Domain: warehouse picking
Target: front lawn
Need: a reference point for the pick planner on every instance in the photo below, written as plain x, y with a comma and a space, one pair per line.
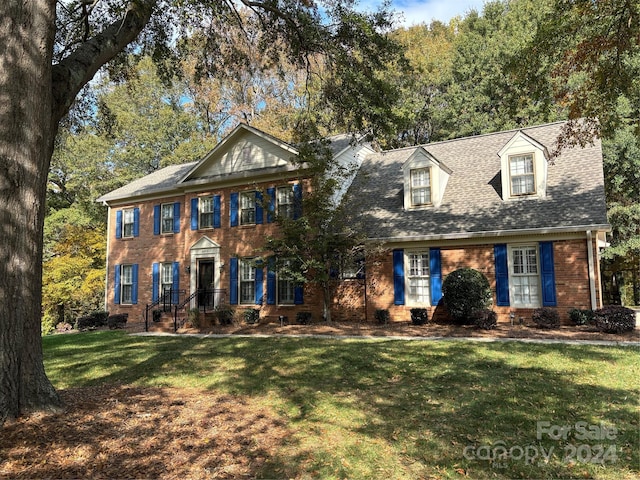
358, 408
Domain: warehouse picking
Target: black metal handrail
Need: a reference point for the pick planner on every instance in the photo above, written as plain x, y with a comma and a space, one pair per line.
194, 295
168, 298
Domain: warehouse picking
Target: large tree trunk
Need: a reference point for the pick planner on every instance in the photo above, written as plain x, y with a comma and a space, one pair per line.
34, 96
26, 145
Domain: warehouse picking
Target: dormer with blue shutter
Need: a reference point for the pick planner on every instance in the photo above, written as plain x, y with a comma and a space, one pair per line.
425, 180
523, 167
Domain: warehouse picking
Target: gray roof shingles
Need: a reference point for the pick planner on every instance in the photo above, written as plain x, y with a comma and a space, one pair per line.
472, 201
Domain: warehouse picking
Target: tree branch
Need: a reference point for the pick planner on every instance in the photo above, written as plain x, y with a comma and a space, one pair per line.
77, 69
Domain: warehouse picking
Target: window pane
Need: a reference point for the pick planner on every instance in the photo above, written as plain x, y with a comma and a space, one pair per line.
524, 279
247, 208
167, 218
127, 223
285, 202
206, 212
418, 278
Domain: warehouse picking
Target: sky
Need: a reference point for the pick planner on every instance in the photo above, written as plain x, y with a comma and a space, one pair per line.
424, 11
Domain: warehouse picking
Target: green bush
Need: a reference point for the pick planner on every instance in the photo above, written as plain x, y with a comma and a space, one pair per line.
93, 320
615, 319
546, 317
251, 315
117, 321
464, 292
224, 314
581, 317
485, 319
419, 316
303, 318
382, 316
193, 315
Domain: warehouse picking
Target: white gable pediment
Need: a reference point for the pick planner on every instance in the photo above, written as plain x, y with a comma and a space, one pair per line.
243, 150
204, 243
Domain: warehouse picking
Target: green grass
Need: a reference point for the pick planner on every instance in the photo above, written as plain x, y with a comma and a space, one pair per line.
394, 409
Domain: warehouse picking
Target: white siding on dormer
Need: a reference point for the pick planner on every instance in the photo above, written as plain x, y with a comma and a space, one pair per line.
521, 144
351, 160
439, 178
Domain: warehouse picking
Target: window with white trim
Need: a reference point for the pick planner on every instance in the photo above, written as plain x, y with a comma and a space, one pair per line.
420, 186
166, 225
248, 208
285, 201
418, 277
286, 285
205, 209
166, 278
524, 276
127, 223
522, 175
126, 284
247, 282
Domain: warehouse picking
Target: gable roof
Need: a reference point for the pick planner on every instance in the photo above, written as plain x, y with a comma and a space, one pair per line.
472, 203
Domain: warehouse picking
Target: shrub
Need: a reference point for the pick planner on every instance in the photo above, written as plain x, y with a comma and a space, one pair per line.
117, 321
615, 319
546, 317
93, 320
382, 316
224, 314
466, 291
156, 315
251, 315
581, 317
193, 315
303, 318
485, 319
419, 316
63, 327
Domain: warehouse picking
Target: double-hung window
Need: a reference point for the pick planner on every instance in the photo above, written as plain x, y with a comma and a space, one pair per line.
522, 174
420, 186
128, 220
167, 218
247, 208
418, 277
166, 279
206, 212
286, 285
247, 282
126, 284
285, 201
524, 275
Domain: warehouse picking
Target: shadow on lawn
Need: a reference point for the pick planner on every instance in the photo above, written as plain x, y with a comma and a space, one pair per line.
425, 401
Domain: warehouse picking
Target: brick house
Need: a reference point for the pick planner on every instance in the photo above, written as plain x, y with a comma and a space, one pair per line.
497, 203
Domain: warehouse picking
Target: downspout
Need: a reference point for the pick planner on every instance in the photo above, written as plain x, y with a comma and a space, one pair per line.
592, 275
106, 273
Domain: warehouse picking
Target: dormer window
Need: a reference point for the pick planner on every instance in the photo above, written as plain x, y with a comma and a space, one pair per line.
420, 187
522, 174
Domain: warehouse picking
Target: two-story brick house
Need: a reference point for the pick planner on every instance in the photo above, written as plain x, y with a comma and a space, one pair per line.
498, 203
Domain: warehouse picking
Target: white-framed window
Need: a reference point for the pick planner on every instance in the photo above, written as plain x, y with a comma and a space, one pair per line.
247, 282
166, 224
524, 275
285, 285
247, 208
417, 269
205, 210
522, 174
126, 284
127, 223
420, 186
285, 201
166, 278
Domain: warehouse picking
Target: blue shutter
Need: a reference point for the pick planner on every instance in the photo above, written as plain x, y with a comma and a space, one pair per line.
298, 295
194, 214
134, 284
259, 285
233, 211
259, 208
548, 275
271, 282
136, 222
116, 286
176, 283
398, 277
435, 274
156, 219
176, 217
119, 225
502, 274
233, 281
297, 201
155, 282
216, 212
271, 209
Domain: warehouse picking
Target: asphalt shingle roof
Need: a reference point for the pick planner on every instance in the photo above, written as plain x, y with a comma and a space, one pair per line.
472, 201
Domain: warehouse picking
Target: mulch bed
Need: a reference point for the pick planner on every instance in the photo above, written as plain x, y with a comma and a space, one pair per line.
120, 431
